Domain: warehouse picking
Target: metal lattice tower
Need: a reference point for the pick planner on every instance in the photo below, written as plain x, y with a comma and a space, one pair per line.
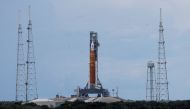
162, 81
31, 83
151, 82
20, 74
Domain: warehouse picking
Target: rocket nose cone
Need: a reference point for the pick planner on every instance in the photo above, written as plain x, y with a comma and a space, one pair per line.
92, 46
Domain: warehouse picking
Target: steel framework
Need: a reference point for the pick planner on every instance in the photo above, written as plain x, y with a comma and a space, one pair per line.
31, 83
162, 81
151, 82
20, 73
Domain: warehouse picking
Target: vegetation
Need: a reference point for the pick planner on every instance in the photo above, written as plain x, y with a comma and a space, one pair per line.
128, 105
118, 105
19, 105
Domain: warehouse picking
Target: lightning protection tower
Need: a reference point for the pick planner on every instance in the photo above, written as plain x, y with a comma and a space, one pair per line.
20, 73
31, 83
151, 82
162, 81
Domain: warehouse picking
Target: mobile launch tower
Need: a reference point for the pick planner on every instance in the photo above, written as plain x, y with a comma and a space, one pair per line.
94, 85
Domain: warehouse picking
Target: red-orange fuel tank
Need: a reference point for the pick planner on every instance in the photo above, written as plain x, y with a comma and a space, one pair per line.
92, 67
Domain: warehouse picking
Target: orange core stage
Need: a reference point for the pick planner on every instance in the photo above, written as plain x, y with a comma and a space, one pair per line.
92, 67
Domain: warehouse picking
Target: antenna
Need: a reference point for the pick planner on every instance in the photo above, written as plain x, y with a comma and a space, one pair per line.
19, 17
20, 72
31, 83
113, 92
29, 13
117, 91
160, 15
162, 81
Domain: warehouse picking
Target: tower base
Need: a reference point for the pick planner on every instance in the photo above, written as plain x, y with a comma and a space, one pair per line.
92, 89
99, 92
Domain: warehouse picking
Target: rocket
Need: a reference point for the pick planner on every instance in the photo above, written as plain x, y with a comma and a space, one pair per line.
92, 65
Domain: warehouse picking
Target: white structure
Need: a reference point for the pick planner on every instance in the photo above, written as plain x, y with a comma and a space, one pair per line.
52, 103
58, 100
47, 102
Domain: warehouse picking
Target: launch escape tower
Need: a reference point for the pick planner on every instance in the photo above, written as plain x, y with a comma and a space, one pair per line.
162, 92
94, 85
151, 82
20, 73
31, 83
26, 84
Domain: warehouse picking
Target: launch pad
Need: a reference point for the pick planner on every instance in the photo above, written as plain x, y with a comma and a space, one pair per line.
100, 92
94, 85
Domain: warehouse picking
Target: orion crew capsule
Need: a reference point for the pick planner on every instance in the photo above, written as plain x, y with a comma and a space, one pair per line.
92, 46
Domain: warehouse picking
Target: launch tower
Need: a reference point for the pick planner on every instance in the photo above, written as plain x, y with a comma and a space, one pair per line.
94, 85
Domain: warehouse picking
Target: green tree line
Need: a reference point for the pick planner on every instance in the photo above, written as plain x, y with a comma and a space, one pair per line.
185, 104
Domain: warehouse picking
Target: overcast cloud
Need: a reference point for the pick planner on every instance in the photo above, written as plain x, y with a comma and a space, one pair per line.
128, 36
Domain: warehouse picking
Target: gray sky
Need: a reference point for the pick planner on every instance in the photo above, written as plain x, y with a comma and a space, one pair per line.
128, 34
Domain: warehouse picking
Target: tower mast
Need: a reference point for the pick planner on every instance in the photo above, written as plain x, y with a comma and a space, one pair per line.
20, 74
31, 83
162, 81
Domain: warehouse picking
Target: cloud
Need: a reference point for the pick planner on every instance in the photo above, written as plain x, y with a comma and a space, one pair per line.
132, 26
128, 34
